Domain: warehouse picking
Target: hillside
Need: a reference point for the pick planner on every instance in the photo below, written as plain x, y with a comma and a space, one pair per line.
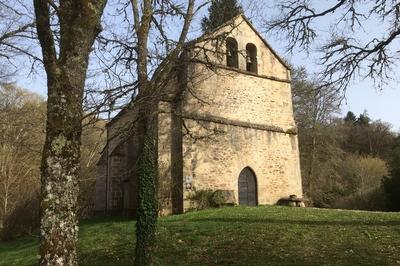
239, 235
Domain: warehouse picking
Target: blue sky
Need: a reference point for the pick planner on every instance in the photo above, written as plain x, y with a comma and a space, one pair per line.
361, 95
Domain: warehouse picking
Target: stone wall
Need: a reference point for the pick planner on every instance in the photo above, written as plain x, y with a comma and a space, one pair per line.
211, 124
213, 49
239, 119
116, 172
214, 161
164, 158
101, 185
170, 193
239, 97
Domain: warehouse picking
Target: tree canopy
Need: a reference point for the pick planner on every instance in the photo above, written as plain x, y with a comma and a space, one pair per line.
219, 12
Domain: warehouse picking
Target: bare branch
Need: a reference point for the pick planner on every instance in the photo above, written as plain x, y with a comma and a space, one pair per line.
345, 56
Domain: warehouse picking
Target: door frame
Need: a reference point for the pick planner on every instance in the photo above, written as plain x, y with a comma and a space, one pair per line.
255, 183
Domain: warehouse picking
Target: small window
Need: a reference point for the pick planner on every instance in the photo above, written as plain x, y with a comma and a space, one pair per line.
232, 53
251, 58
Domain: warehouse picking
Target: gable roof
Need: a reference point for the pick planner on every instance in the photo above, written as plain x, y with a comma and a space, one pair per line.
245, 19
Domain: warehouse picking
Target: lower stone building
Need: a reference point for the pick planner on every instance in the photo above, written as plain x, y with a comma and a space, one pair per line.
228, 128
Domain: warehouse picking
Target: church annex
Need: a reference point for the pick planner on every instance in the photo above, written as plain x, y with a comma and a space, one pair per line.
226, 127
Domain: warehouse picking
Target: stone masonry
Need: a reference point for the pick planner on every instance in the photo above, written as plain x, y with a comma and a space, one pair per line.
212, 123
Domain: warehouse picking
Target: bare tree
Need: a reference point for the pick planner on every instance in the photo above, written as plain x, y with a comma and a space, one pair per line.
21, 127
22, 124
66, 30
143, 20
151, 54
314, 111
16, 35
351, 51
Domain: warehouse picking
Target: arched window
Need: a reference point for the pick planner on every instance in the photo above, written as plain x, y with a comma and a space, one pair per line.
232, 53
251, 58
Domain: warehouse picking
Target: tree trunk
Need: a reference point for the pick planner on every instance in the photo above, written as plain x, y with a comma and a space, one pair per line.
147, 204
5, 212
147, 208
60, 169
310, 172
79, 24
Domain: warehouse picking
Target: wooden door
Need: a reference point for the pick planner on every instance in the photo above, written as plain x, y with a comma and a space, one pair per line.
247, 187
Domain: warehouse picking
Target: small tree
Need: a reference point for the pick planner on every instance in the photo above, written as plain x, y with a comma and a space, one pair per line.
147, 17
22, 116
219, 12
319, 144
391, 184
363, 174
350, 117
151, 56
368, 137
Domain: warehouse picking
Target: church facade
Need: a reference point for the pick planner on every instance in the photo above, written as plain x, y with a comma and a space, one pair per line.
225, 123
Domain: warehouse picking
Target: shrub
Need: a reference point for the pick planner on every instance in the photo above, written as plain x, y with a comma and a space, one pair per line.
374, 200
23, 220
207, 198
391, 186
363, 173
200, 199
218, 198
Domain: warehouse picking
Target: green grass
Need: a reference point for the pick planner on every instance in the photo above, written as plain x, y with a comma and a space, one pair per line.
239, 235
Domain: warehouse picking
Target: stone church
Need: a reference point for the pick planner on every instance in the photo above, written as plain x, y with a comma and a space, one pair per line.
225, 122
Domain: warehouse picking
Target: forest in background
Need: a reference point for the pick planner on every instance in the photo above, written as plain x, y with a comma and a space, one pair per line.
22, 127
349, 162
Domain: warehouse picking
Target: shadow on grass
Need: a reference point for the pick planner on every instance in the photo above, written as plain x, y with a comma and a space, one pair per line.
14, 245
102, 258
299, 222
101, 220
17, 245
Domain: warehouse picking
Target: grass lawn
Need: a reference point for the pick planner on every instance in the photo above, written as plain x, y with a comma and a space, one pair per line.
239, 235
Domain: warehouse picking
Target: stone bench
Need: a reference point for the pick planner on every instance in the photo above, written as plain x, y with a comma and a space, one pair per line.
292, 201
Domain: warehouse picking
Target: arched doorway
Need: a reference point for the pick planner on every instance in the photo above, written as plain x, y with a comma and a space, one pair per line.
247, 185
